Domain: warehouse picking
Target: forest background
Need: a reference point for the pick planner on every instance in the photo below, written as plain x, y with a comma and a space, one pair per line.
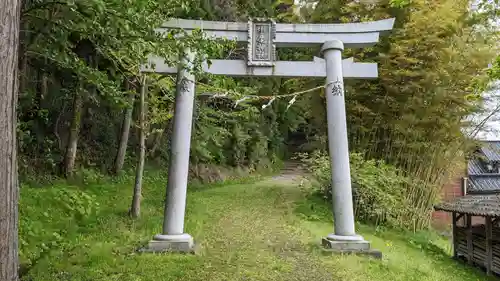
82, 97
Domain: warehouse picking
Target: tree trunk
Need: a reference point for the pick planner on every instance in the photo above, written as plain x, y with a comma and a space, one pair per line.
42, 91
158, 138
23, 57
127, 120
44, 87
9, 32
74, 130
23, 65
136, 200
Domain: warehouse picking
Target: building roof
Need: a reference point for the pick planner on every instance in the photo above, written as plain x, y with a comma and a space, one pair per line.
481, 179
476, 205
476, 167
491, 150
483, 183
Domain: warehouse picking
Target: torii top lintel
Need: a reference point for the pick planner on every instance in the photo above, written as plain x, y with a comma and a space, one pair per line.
353, 35
264, 35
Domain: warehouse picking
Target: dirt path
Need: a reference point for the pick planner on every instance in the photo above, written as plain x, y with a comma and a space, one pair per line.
292, 172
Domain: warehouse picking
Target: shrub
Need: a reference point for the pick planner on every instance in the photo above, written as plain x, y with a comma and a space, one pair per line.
378, 188
64, 210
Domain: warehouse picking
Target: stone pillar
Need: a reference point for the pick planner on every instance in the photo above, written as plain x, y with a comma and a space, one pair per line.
344, 236
173, 237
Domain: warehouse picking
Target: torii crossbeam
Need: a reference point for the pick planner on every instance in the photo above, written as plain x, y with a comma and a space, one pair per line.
353, 35
262, 36
239, 68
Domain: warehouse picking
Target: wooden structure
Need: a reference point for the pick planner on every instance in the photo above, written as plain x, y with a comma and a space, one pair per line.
478, 244
481, 177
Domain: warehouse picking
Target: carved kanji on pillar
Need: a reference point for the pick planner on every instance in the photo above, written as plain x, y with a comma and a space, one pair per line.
337, 88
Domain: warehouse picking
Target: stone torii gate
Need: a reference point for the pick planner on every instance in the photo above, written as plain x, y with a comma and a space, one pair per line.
263, 36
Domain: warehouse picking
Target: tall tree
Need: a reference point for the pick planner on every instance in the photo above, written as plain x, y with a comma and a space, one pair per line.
127, 120
136, 199
74, 131
10, 12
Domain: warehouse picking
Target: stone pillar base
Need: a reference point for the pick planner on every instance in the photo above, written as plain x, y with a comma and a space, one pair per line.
349, 245
182, 243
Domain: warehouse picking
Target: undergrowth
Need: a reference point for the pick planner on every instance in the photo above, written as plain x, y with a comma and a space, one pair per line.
244, 230
382, 194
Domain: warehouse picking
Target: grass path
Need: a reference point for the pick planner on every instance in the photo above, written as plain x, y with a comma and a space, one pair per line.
254, 231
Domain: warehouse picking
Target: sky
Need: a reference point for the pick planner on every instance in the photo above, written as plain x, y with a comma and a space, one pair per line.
491, 129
